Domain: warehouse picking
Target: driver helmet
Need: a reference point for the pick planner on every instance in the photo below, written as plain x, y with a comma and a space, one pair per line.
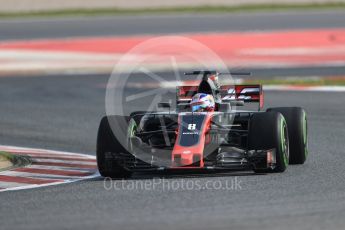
202, 102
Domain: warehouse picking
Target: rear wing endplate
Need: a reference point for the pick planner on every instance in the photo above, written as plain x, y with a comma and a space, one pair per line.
245, 93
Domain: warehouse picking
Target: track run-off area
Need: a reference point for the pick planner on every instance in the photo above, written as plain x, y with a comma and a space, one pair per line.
44, 168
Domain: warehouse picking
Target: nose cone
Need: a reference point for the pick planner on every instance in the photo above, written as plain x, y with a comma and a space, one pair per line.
190, 142
187, 158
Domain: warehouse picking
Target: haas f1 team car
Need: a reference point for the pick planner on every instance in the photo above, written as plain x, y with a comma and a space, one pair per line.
224, 138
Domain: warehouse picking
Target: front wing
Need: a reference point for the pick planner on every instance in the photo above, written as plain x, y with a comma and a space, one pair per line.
253, 159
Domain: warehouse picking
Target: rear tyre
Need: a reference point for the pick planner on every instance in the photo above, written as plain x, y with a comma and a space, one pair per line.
296, 119
269, 131
108, 145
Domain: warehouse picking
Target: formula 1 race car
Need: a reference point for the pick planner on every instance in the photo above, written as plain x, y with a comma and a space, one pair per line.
224, 138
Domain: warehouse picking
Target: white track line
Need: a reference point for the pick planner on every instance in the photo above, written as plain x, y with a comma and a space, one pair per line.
39, 176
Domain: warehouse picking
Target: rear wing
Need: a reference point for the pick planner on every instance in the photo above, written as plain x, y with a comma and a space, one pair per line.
245, 93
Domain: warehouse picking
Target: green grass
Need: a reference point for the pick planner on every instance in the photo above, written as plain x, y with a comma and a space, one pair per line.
326, 81
5, 157
200, 9
16, 160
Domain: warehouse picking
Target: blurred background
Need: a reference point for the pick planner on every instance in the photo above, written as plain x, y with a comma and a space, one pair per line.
54, 5
58, 36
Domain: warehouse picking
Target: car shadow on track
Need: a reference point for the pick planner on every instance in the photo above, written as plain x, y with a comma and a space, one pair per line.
148, 176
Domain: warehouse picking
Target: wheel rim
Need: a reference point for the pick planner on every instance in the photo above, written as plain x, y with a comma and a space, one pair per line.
131, 133
305, 134
285, 142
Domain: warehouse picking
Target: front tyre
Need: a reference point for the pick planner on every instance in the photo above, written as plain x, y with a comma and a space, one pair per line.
108, 146
269, 131
296, 119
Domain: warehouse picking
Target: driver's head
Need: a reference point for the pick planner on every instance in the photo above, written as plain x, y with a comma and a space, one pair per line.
202, 102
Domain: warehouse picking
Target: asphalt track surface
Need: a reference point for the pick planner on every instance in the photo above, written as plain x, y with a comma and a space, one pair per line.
63, 112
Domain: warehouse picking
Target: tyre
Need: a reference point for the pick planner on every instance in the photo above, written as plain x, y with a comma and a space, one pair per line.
296, 119
108, 145
269, 131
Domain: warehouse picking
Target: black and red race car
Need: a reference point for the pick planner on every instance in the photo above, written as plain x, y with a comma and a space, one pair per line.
185, 141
